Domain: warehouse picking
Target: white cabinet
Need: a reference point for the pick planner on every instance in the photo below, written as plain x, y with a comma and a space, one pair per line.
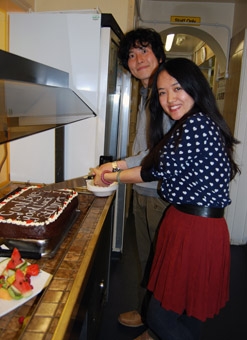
76, 43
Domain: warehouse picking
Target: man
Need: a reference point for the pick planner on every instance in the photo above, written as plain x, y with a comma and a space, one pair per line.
140, 52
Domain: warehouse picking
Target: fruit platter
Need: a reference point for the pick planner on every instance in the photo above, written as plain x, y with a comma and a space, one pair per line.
19, 281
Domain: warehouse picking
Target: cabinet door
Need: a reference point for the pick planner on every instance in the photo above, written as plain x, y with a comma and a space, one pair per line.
85, 323
99, 280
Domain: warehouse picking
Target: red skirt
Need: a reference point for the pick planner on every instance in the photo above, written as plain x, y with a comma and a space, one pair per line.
191, 267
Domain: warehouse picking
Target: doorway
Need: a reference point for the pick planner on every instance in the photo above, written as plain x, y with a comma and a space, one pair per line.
205, 51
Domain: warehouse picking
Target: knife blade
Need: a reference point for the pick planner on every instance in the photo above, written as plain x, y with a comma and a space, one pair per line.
69, 183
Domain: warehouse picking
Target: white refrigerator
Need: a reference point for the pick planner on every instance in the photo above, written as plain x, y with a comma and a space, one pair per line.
84, 44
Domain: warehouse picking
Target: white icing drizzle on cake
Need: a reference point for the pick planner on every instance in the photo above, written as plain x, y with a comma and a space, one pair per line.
33, 208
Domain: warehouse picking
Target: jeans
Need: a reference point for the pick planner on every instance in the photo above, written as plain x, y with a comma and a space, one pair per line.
168, 325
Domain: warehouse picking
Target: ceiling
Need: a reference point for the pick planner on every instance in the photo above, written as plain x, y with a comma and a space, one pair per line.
183, 44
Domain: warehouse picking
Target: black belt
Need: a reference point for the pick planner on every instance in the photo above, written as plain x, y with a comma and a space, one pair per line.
200, 211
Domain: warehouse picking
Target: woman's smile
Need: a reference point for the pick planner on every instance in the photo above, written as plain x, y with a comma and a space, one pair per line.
172, 97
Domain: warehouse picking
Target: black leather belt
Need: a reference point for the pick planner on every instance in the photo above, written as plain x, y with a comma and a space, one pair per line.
200, 211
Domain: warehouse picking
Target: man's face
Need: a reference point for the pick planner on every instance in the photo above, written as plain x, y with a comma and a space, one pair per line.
142, 63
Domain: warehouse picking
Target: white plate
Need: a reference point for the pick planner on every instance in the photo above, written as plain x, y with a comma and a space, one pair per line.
38, 282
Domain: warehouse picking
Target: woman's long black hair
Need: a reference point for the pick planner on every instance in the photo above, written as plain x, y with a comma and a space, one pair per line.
193, 81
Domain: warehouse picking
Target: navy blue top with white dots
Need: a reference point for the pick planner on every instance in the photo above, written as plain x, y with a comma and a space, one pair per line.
197, 170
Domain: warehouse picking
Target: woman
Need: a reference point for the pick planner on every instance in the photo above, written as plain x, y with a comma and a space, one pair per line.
189, 279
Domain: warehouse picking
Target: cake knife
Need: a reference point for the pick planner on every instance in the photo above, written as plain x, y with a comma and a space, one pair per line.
69, 183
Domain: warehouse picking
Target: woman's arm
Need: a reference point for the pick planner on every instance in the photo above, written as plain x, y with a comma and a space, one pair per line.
103, 178
121, 164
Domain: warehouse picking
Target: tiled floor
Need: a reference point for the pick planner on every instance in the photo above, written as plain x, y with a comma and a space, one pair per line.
230, 324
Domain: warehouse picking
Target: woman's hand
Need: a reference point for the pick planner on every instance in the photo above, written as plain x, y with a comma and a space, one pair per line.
106, 166
97, 172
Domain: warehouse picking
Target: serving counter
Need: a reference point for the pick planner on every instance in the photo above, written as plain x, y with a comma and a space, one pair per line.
70, 306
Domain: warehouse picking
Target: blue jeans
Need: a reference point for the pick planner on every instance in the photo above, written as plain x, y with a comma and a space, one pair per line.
168, 325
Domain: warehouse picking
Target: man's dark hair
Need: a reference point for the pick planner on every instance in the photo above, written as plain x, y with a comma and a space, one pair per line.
141, 37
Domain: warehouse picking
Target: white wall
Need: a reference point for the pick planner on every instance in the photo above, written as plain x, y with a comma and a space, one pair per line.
214, 16
236, 213
240, 14
34, 166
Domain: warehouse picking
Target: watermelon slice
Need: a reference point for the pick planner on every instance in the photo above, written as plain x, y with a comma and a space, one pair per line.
13, 263
20, 287
15, 277
15, 259
32, 270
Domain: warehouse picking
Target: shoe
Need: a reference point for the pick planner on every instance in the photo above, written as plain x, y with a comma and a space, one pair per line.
144, 336
130, 319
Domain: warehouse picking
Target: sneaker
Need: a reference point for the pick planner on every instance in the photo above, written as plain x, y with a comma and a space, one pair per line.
144, 336
130, 319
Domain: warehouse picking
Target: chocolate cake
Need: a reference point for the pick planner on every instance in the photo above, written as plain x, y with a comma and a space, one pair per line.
35, 213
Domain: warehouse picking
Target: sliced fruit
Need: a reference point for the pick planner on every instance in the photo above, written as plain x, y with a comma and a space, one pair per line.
15, 259
3, 265
3, 283
15, 277
14, 293
4, 294
8, 266
21, 284
10, 279
21, 319
32, 269
22, 266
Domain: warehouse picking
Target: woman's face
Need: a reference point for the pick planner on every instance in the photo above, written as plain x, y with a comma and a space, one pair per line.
172, 97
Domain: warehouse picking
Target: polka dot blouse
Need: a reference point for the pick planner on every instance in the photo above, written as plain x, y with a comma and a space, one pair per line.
197, 170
